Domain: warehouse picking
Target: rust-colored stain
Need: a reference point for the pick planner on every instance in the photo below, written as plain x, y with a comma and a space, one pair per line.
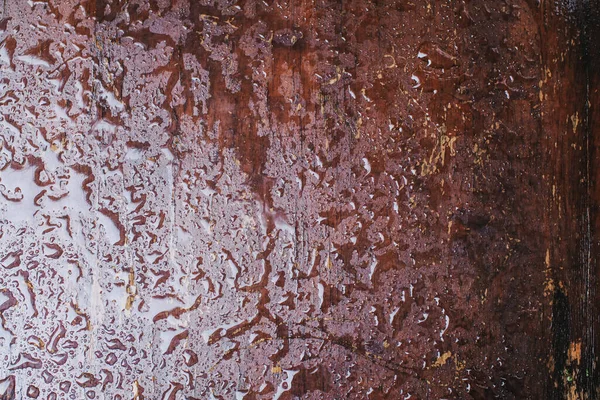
277, 199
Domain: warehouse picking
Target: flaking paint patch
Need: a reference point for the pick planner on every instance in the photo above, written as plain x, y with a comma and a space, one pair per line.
574, 356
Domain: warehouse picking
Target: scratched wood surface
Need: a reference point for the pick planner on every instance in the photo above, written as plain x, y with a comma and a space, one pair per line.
359, 199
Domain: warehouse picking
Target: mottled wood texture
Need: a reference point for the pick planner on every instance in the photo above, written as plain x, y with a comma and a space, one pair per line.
351, 199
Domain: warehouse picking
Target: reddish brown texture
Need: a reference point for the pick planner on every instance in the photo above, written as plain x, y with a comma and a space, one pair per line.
306, 199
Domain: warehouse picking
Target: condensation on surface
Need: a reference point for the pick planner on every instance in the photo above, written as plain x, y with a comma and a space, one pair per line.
265, 199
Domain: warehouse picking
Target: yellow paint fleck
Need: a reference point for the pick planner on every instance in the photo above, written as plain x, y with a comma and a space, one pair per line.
442, 359
136, 391
131, 291
575, 121
549, 282
329, 263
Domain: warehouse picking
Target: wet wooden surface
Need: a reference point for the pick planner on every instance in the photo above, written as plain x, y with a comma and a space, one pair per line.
304, 199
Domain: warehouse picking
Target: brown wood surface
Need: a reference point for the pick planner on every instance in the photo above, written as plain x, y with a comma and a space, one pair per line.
221, 199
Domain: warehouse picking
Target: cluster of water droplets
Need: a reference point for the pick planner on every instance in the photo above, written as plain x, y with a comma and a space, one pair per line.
145, 252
